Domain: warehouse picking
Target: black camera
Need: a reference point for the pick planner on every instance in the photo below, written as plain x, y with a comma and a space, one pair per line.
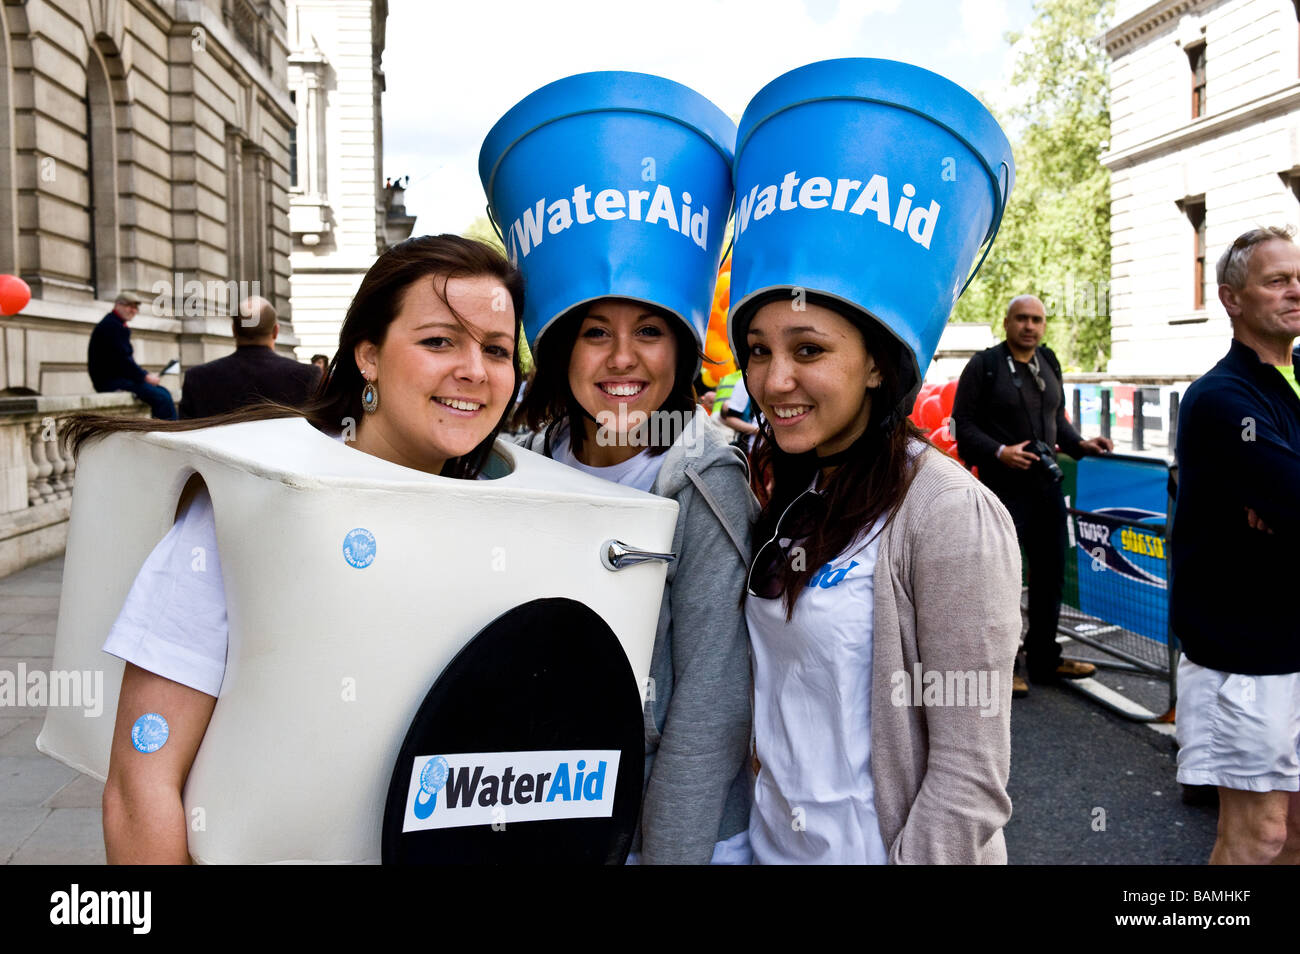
1046, 460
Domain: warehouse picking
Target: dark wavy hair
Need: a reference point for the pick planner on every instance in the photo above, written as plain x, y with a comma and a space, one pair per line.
376, 303
550, 399
865, 489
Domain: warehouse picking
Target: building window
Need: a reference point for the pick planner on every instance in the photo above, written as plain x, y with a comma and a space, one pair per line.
248, 188
1196, 57
255, 169
101, 177
1195, 212
247, 23
293, 145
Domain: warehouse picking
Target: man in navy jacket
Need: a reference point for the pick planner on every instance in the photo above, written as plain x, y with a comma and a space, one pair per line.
1234, 561
110, 359
253, 373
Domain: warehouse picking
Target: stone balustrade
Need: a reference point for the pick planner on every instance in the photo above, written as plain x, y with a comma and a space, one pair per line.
36, 472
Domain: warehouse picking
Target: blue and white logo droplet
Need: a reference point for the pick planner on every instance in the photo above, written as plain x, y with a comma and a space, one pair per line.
432, 778
359, 548
149, 733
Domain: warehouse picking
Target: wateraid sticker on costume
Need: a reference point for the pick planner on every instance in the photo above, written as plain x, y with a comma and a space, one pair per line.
480, 788
359, 548
149, 733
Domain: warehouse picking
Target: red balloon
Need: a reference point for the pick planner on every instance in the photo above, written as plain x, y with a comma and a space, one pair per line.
14, 294
931, 413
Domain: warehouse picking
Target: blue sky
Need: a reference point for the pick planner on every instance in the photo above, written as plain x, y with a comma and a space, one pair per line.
453, 68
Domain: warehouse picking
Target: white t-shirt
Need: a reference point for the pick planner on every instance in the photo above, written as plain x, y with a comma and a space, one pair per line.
173, 622
639, 472
814, 800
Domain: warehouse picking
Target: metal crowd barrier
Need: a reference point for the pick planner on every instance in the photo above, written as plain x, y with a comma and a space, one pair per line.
1120, 604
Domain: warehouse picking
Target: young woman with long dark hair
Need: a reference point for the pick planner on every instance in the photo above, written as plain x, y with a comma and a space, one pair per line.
614, 397
613, 191
426, 370
882, 603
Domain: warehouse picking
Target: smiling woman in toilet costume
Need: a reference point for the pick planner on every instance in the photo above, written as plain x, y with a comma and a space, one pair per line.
883, 596
426, 367
613, 190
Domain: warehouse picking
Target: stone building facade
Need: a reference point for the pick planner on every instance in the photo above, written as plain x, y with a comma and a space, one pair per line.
339, 202
144, 147
1205, 144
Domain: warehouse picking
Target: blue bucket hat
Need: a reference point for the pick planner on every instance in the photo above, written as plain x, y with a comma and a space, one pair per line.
612, 185
869, 185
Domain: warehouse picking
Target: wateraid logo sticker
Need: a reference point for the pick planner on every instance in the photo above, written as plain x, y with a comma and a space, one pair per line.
432, 778
482, 788
359, 548
149, 733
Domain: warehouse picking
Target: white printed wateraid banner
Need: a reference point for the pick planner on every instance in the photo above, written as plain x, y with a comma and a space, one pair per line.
486, 788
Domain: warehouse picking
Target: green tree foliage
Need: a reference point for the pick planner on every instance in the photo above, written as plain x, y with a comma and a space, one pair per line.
1055, 237
482, 230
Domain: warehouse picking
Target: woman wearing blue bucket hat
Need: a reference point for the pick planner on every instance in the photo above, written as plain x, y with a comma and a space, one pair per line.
883, 596
613, 191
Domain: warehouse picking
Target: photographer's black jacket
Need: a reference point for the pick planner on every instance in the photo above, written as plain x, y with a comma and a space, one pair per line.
1232, 602
988, 411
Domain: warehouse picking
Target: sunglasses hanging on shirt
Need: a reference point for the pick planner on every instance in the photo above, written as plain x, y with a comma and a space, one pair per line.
797, 522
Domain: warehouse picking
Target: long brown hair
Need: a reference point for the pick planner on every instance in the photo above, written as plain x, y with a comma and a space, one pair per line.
373, 308
549, 398
864, 490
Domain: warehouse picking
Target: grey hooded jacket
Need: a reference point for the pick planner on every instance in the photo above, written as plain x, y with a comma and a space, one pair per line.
698, 709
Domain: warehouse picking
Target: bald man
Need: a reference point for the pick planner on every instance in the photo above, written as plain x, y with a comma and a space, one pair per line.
252, 374
1009, 397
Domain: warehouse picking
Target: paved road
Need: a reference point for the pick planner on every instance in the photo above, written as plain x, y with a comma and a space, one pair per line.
49, 814
1069, 758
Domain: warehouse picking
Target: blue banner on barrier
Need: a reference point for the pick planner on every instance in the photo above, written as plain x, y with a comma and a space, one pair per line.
1123, 569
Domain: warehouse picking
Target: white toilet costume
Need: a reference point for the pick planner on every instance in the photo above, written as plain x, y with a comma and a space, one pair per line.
328, 660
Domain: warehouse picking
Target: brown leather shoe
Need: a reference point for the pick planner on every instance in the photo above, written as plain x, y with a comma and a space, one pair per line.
1072, 669
1019, 688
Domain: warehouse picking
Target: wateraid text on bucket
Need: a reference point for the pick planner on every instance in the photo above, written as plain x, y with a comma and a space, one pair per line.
817, 193
527, 232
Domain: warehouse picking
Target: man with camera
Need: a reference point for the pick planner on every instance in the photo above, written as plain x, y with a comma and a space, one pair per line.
1008, 418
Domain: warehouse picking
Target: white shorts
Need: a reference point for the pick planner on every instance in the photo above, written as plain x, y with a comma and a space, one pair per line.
1239, 732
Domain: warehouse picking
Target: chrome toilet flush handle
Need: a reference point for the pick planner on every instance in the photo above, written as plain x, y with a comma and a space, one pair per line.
616, 555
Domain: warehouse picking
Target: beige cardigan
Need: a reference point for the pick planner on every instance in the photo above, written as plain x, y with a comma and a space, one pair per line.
947, 595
